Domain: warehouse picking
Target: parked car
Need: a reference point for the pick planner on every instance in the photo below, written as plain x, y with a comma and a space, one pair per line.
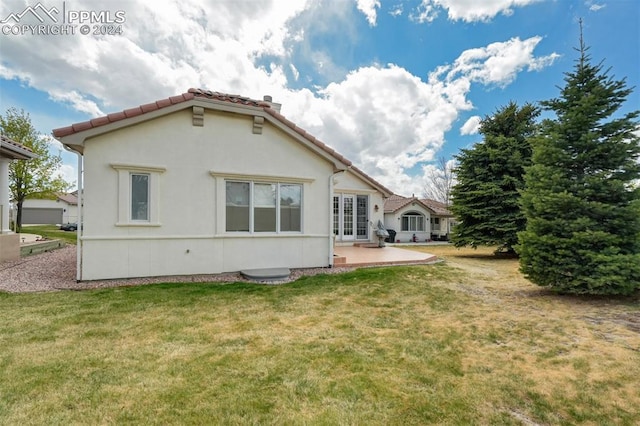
69, 227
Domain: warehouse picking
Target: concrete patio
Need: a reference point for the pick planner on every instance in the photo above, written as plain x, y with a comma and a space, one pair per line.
371, 255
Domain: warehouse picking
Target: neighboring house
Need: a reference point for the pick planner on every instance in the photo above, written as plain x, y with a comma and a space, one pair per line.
207, 182
416, 219
9, 151
63, 208
442, 220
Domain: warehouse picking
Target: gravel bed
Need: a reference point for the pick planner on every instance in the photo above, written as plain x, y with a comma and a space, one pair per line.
56, 270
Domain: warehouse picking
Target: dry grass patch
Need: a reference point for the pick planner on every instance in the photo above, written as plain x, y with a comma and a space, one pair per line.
576, 356
465, 342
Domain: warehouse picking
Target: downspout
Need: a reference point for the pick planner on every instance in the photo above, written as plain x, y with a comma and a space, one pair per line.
80, 223
331, 236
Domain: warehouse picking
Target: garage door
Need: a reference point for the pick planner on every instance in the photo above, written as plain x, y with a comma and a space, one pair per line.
31, 215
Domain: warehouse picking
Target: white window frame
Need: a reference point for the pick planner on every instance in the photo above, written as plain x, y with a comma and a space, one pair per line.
412, 224
125, 171
342, 217
252, 206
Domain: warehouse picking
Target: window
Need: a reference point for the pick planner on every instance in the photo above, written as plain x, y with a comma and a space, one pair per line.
290, 208
336, 215
413, 222
263, 207
237, 211
138, 195
362, 217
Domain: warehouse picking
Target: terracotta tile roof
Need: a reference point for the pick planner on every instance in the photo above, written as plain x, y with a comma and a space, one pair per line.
117, 116
13, 147
217, 96
153, 106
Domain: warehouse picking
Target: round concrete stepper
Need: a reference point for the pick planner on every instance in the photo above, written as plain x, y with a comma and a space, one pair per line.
266, 274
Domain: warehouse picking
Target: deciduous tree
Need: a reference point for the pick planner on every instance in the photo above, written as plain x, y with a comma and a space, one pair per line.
36, 177
439, 181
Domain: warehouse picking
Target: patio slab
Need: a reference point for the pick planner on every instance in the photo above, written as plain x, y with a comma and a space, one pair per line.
366, 256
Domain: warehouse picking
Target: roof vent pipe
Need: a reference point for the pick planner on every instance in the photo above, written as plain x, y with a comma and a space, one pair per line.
274, 105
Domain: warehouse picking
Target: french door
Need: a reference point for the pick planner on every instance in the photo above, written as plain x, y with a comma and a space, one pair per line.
351, 217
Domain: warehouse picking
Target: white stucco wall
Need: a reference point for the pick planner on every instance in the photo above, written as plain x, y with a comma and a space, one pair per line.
394, 221
189, 234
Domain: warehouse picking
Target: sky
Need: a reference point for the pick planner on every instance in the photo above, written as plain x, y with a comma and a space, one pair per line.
391, 85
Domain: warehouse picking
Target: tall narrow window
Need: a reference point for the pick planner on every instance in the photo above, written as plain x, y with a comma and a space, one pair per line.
138, 202
237, 211
290, 208
347, 214
140, 196
336, 215
264, 207
362, 217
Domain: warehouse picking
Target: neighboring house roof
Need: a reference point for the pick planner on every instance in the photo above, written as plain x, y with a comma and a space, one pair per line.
71, 199
397, 202
438, 207
210, 99
14, 150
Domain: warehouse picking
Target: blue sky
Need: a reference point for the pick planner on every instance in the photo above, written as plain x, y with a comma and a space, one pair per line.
392, 85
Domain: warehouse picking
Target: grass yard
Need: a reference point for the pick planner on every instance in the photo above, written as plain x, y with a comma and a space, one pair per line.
51, 232
465, 342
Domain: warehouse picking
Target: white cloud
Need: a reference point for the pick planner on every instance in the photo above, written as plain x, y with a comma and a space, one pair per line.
396, 10
594, 7
471, 126
498, 63
294, 71
69, 174
382, 117
467, 10
368, 7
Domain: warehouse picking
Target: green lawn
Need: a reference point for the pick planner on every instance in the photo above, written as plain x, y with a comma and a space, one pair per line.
439, 344
51, 232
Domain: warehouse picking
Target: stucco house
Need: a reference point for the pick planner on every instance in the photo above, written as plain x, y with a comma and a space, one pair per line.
9, 151
207, 182
59, 209
416, 219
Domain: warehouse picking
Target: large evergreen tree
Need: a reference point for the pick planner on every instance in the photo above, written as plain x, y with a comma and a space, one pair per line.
36, 177
489, 178
583, 213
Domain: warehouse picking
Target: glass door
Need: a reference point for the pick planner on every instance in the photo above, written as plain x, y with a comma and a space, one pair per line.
348, 217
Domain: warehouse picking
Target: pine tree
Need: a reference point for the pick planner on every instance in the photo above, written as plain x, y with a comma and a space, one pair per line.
489, 178
583, 213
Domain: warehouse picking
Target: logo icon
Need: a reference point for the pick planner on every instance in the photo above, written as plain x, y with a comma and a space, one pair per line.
38, 11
